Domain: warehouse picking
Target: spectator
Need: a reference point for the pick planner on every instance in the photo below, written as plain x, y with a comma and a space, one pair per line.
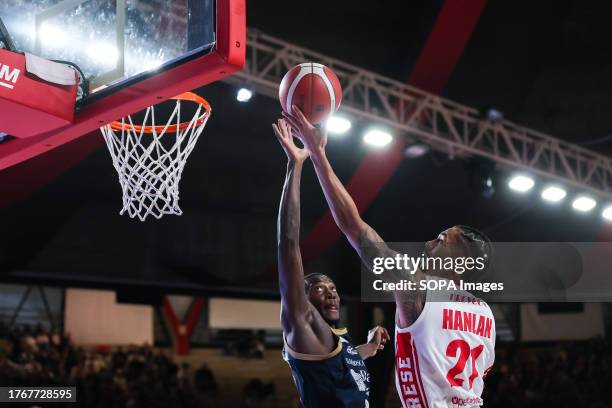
126, 378
559, 375
256, 392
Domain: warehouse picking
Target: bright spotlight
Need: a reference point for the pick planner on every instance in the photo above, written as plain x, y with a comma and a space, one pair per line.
377, 137
494, 115
607, 213
584, 204
553, 194
51, 36
152, 65
244, 95
416, 150
103, 54
338, 125
521, 184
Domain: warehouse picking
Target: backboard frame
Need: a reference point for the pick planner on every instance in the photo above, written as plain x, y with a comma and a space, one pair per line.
228, 57
5, 37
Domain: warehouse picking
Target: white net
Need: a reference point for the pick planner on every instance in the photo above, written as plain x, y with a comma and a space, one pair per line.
150, 159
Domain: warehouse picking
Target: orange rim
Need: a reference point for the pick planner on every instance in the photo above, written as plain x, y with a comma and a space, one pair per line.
187, 96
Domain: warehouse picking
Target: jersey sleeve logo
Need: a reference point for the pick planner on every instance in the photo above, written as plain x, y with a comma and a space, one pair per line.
361, 379
351, 350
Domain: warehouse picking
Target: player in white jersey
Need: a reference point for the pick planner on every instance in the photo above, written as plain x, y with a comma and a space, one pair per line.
442, 357
444, 339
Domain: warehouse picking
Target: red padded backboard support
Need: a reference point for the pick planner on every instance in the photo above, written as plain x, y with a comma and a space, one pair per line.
23, 113
228, 57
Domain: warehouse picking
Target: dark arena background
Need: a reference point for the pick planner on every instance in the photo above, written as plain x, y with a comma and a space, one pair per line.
184, 311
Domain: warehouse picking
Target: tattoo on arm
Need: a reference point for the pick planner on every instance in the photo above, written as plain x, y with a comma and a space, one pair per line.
372, 246
363, 238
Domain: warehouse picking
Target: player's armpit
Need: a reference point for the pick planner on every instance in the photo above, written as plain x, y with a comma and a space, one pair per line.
410, 304
307, 334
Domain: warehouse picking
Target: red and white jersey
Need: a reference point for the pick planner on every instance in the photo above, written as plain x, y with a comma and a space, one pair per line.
442, 358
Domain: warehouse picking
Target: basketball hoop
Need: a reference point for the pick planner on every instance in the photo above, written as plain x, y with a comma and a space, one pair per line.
149, 161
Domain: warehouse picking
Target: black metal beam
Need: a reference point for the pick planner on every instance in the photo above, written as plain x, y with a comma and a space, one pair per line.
5, 38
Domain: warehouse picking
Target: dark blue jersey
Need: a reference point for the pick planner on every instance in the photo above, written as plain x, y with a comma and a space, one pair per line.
337, 379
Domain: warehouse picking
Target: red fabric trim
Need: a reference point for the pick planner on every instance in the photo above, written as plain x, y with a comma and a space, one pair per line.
405, 350
445, 44
182, 332
194, 314
418, 371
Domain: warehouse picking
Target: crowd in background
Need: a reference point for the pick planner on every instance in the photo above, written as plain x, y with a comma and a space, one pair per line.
131, 377
577, 374
571, 374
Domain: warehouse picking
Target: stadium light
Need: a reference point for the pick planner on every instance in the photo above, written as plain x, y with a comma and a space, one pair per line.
103, 53
495, 115
584, 204
244, 95
338, 125
416, 150
553, 194
51, 36
521, 184
377, 137
607, 213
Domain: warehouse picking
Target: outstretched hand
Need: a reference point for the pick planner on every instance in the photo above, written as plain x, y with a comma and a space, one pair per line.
378, 336
314, 138
283, 133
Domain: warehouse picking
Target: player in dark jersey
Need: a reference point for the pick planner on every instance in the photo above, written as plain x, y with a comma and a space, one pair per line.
327, 369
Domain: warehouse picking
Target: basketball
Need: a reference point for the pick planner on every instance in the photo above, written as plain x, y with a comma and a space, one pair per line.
314, 88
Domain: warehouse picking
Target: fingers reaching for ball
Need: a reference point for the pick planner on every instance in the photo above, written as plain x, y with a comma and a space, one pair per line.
301, 117
314, 138
293, 121
284, 134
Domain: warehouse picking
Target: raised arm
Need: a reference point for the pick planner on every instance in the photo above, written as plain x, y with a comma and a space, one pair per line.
290, 268
300, 322
363, 238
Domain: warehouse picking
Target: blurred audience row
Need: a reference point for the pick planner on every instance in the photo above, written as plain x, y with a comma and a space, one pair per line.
126, 377
570, 374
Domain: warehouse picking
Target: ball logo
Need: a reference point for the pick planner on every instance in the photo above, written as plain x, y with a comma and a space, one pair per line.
314, 88
8, 76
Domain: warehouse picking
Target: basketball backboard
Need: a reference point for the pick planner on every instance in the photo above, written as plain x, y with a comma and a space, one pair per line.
135, 53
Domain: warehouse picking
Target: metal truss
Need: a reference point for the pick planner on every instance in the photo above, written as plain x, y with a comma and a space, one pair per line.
446, 126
